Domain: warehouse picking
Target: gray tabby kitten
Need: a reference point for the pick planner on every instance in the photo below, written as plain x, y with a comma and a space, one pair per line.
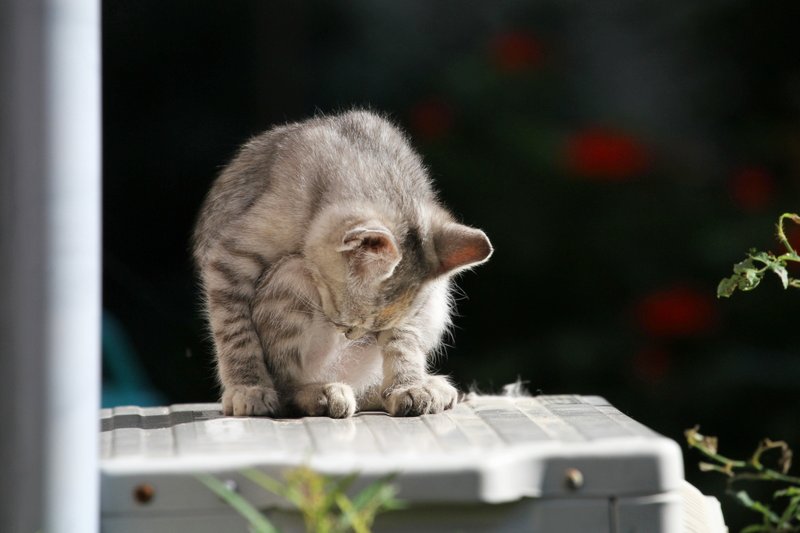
326, 260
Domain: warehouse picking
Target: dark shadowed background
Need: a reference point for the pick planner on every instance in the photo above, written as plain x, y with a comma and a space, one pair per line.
621, 158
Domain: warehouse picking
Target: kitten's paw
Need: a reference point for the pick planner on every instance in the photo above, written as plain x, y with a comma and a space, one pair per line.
335, 400
249, 400
432, 395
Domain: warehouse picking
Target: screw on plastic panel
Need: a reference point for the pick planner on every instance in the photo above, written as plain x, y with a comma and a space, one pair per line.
574, 478
144, 493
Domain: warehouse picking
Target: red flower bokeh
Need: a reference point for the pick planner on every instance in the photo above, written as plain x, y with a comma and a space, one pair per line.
605, 155
431, 119
516, 52
677, 312
652, 364
752, 189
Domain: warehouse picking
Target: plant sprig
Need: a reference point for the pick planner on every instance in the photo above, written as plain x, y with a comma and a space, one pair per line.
753, 469
747, 274
322, 500
257, 521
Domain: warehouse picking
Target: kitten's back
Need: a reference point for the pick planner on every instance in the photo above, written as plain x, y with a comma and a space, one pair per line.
288, 174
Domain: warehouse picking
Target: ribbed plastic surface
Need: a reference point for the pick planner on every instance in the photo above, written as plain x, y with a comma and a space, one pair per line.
497, 449
545, 464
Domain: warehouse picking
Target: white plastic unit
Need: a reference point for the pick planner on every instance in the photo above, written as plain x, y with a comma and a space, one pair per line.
546, 464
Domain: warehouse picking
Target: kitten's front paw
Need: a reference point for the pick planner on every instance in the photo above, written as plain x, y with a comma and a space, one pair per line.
249, 400
335, 400
432, 395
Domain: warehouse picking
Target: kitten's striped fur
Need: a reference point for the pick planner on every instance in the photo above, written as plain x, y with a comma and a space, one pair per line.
325, 259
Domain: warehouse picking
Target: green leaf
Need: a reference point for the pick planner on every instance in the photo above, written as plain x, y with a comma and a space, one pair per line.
258, 522
753, 277
351, 518
727, 287
379, 496
265, 482
339, 486
749, 280
763, 257
382, 492
790, 513
788, 491
745, 499
780, 270
743, 266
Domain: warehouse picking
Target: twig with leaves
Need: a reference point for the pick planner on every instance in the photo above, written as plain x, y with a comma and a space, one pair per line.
753, 469
748, 274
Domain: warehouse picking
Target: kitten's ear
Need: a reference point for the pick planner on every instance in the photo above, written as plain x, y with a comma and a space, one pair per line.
459, 247
371, 252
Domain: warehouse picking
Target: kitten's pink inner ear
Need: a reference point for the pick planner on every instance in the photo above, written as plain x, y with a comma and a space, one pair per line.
459, 247
372, 252
376, 241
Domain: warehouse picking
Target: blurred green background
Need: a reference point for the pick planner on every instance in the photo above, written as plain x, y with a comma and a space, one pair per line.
620, 155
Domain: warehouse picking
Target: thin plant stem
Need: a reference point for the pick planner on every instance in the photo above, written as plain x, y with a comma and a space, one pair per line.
752, 469
782, 235
257, 521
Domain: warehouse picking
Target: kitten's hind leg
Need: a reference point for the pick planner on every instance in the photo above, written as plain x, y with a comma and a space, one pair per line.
284, 308
335, 400
229, 281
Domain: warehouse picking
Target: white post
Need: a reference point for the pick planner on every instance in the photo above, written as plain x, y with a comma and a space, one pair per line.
49, 264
